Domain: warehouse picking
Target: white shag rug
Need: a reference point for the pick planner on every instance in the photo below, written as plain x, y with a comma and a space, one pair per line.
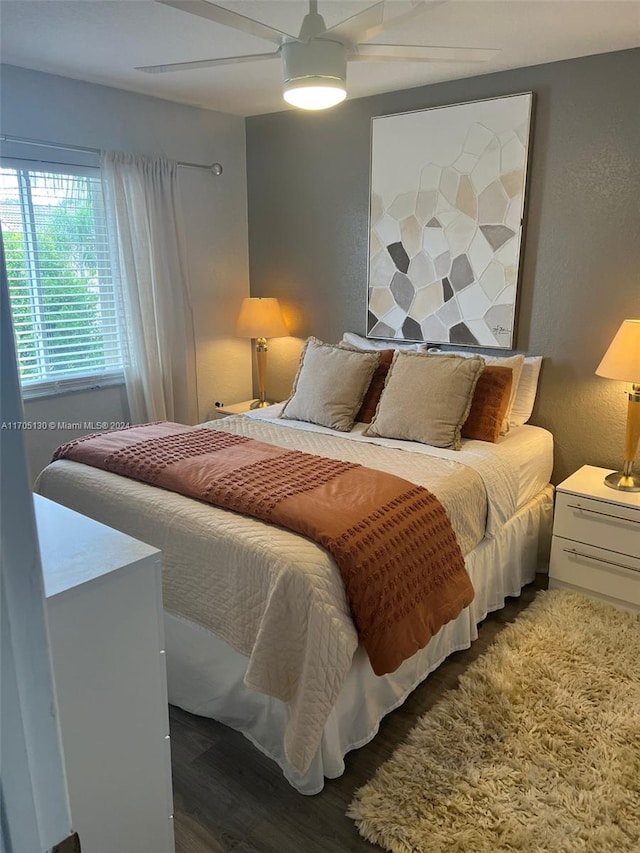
538, 749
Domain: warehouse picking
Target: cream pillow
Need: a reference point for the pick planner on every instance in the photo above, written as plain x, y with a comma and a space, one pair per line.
330, 385
426, 398
515, 362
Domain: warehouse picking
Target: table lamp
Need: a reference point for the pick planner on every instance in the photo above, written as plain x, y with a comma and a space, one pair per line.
622, 361
261, 318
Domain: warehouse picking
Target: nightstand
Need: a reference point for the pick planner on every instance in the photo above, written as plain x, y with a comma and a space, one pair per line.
596, 539
233, 409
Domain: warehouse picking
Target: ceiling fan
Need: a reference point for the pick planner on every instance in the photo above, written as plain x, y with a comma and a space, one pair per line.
315, 61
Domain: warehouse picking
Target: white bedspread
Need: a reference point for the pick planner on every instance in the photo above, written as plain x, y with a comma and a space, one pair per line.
275, 596
497, 471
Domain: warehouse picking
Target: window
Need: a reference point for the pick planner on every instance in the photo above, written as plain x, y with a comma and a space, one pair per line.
63, 301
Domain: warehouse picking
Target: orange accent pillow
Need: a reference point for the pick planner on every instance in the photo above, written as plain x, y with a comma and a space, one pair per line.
489, 404
370, 403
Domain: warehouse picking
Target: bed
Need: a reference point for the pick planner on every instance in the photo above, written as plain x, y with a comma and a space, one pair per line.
258, 630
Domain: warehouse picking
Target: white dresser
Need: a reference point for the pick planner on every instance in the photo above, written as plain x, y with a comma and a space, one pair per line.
596, 539
104, 607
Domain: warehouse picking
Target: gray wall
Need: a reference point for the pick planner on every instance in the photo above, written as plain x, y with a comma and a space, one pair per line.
57, 109
308, 178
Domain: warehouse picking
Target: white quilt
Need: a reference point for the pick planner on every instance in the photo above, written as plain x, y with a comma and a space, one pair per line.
273, 595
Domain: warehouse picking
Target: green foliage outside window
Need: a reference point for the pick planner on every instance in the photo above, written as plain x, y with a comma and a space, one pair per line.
59, 282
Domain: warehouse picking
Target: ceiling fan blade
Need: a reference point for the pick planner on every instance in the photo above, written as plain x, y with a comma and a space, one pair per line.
420, 53
220, 15
374, 20
206, 63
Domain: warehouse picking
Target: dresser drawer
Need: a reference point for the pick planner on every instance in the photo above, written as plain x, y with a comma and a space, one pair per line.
603, 524
609, 574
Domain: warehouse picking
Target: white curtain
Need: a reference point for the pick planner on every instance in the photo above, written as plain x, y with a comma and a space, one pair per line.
141, 194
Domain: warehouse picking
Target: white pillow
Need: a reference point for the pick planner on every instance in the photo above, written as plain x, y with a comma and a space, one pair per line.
527, 389
515, 362
353, 340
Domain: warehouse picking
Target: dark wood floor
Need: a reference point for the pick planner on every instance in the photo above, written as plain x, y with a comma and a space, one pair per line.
229, 797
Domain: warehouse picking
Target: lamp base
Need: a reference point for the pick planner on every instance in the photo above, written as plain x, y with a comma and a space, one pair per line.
260, 404
623, 482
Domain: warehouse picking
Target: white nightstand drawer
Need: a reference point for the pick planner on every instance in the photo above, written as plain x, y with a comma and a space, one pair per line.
613, 575
606, 525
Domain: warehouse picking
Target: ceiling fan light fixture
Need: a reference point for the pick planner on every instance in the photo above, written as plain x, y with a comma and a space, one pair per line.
315, 74
315, 93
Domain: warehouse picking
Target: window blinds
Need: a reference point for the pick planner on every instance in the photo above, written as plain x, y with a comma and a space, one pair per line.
65, 308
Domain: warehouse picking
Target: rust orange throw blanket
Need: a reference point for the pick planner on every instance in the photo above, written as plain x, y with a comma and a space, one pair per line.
399, 558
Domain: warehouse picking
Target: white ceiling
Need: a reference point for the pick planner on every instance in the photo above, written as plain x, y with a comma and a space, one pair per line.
102, 41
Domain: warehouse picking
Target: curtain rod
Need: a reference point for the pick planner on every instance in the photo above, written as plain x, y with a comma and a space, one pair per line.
214, 168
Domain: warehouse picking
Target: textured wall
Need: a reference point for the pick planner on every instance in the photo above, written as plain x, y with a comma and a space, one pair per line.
308, 186
57, 109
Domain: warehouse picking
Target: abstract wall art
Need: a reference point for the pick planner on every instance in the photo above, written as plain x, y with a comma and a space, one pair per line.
445, 226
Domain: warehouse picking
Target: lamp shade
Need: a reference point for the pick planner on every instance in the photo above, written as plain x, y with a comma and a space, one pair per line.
261, 317
622, 359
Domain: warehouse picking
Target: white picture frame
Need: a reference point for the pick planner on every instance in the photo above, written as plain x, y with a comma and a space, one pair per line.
447, 196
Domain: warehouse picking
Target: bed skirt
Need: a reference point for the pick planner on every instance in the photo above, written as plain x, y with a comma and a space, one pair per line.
205, 674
